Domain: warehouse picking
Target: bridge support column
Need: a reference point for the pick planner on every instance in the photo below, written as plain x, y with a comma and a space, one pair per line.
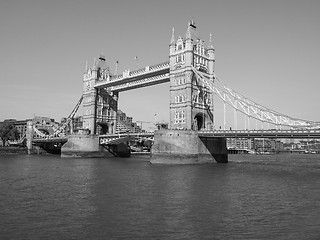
186, 147
82, 145
29, 136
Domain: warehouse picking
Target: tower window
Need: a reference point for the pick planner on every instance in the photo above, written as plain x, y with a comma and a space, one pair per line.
179, 81
179, 99
179, 116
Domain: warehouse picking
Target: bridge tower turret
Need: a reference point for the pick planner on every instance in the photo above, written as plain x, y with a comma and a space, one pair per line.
211, 59
96, 109
89, 99
191, 105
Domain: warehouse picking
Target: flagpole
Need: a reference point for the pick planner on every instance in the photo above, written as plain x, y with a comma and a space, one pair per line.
136, 60
116, 71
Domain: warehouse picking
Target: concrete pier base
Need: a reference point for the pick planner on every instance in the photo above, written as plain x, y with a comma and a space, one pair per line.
186, 147
82, 145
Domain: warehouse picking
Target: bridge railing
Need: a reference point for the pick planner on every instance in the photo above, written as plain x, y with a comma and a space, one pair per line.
159, 66
147, 69
119, 135
138, 71
106, 139
116, 77
143, 81
262, 131
281, 134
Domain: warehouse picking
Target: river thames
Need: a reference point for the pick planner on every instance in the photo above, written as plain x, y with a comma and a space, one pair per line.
251, 197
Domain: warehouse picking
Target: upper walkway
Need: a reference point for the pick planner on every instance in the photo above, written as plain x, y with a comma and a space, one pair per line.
148, 76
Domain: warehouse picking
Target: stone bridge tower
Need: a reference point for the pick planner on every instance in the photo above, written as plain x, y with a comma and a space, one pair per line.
99, 105
191, 105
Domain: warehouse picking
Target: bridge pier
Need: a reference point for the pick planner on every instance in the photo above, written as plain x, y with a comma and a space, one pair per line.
186, 147
83, 145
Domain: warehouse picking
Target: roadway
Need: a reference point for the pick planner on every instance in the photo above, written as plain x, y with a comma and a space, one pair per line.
262, 133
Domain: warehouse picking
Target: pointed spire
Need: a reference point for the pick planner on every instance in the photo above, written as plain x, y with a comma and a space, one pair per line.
94, 63
210, 44
172, 37
192, 22
86, 65
116, 71
188, 33
102, 56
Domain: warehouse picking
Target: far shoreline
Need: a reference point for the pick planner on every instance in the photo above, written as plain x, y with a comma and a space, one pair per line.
13, 150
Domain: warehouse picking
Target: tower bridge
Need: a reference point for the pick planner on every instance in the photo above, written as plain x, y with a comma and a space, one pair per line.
195, 88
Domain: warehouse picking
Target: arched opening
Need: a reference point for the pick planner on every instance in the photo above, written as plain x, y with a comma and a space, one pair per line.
103, 121
199, 121
104, 129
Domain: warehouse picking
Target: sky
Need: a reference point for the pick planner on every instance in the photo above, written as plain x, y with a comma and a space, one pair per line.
267, 50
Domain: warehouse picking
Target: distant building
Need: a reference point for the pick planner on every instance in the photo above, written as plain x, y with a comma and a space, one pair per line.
42, 123
125, 124
270, 145
240, 143
76, 124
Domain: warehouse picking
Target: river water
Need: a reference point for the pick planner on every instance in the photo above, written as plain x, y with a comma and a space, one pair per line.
251, 197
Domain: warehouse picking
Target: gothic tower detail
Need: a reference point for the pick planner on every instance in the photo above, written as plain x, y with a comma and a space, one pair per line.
191, 105
99, 105
89, 99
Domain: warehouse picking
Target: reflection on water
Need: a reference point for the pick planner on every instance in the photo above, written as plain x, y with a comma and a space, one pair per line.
251, 197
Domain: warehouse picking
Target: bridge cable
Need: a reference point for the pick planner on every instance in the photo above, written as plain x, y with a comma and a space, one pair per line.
258, 111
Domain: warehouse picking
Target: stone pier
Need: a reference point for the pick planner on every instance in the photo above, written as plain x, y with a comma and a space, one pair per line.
83, 145
186, 147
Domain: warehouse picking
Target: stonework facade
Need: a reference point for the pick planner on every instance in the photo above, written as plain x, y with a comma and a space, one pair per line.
99, 105
191, 105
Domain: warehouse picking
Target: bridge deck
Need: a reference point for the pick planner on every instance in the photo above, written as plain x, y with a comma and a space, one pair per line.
113, 138
52, 139
298, 134
261, 133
